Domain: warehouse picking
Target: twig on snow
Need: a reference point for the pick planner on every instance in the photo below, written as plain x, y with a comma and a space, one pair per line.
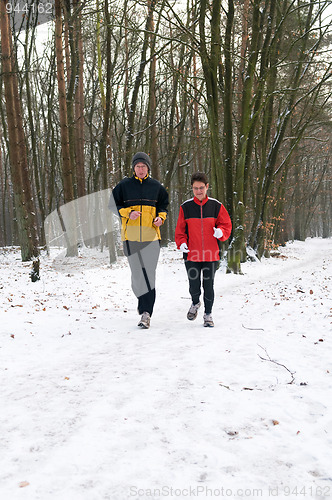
226, 386
246, 328
276, 363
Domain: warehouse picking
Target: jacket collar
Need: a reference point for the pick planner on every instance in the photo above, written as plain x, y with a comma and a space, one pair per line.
141, 180
196, 200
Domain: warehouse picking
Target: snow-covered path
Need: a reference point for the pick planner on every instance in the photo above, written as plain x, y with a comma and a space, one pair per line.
93, 408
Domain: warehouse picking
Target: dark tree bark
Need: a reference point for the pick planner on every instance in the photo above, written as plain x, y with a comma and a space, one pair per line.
152, 131
79, 105
67, 169
237, 251
137, 85
228, 112
27, 223
210, 58
67, 166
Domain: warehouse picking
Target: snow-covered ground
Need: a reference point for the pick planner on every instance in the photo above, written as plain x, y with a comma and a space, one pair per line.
93, 408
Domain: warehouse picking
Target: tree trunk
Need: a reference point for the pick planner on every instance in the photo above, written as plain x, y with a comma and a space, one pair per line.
237, 250
228, 112
210, 64
199, 158
24, 206
67, 170
79, 108
137, 85
66, 159
152, 131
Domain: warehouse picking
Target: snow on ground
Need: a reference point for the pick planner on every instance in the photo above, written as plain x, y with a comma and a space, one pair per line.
93, 408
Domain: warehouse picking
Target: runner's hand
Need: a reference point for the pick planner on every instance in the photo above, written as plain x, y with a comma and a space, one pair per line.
184, 248
134, 214
217, 232
158, 221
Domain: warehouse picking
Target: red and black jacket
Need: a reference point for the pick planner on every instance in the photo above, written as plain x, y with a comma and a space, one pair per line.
195, 227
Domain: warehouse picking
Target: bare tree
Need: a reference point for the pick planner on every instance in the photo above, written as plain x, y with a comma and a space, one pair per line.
24, 205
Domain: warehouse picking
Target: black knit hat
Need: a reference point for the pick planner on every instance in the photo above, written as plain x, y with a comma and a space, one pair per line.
141, 158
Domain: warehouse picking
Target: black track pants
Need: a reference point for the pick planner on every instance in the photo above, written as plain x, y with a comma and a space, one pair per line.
194, 272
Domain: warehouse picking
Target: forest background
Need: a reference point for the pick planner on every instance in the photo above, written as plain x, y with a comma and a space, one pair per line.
238, 89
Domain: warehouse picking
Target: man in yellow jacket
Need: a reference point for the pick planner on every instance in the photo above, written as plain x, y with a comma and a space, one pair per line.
142, 205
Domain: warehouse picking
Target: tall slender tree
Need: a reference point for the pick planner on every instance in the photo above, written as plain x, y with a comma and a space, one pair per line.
210, 53
25, 210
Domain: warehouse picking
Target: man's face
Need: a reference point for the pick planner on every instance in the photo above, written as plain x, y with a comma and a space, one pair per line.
141, 170
200, 190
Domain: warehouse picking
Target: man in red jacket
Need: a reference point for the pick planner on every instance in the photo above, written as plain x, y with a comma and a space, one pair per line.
203, 222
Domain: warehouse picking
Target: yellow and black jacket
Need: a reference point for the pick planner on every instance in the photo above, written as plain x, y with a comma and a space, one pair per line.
147, 196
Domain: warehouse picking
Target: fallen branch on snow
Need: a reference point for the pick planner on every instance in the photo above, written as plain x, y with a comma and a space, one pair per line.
276, 363
246, 328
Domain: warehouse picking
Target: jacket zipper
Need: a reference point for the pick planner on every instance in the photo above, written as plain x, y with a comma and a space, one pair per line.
202, 230
140, 221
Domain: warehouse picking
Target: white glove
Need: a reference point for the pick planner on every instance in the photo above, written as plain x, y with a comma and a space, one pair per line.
217, 232
184, 248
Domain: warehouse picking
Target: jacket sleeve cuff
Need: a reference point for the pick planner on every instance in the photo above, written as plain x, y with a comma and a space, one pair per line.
179, 242
125, 212
163, 216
